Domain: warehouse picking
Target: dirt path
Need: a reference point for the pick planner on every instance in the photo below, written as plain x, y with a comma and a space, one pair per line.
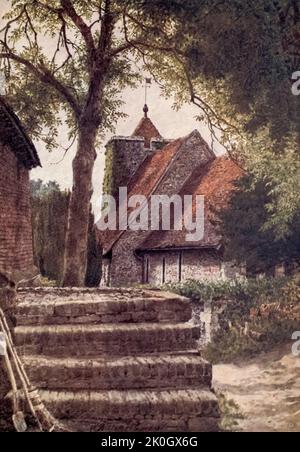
267, 390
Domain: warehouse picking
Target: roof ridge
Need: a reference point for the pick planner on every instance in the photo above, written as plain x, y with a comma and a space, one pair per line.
17, 125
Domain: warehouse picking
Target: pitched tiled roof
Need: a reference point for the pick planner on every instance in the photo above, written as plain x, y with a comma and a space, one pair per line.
13, 135
147, 130
144, 183
216, 182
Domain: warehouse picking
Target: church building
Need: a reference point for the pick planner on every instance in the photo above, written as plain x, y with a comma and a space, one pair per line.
147, 164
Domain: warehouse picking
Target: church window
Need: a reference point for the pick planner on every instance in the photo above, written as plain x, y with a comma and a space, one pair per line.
164, 270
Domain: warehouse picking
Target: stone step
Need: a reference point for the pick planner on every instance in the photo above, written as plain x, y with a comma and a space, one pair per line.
105, 340
140, 372
133, 411
62, 306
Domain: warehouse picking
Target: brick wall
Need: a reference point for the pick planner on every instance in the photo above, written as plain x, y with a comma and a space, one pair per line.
16, 255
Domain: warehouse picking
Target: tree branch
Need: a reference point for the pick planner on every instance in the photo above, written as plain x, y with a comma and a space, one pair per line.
45, 76
29, 21
138, 43
106, 31
84, 29
102, 60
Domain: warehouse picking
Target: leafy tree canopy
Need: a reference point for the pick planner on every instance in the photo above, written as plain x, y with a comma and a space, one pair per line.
40, 189
238, 57
69, 60
247, 240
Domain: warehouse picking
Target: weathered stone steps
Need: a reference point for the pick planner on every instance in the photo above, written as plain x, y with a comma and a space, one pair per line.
141, 372
190, 410
118, 360
105, 340
98, 307
158, 423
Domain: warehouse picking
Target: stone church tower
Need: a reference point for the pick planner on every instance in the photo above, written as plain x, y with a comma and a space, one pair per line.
124, 155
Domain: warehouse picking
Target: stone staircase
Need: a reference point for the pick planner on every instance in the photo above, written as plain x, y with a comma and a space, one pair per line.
116, 360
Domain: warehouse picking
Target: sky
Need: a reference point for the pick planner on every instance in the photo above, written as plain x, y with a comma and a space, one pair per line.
170, 123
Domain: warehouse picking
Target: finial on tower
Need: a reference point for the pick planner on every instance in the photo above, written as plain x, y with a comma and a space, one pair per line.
148, 82
146, 110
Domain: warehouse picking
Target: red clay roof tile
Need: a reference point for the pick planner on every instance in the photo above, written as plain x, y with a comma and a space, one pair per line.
216, 182
147, 130
144, 183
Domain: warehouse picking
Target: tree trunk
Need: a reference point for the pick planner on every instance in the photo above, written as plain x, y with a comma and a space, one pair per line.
79, 209
75, 262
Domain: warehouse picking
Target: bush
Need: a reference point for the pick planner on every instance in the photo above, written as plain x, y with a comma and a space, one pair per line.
230, 414
258, 315
242, 291
231, 345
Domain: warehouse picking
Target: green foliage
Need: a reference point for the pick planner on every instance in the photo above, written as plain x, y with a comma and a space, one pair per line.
39, 188
230, 414
109, 186
233, 59
49, 218
35, 24
232, 346
246, 237
264, 332
278, 168
239, 57
42, 74
243, 298
235, 49
243, 291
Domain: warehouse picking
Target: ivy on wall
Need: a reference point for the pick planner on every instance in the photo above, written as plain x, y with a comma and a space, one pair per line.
108, 181
116, 170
